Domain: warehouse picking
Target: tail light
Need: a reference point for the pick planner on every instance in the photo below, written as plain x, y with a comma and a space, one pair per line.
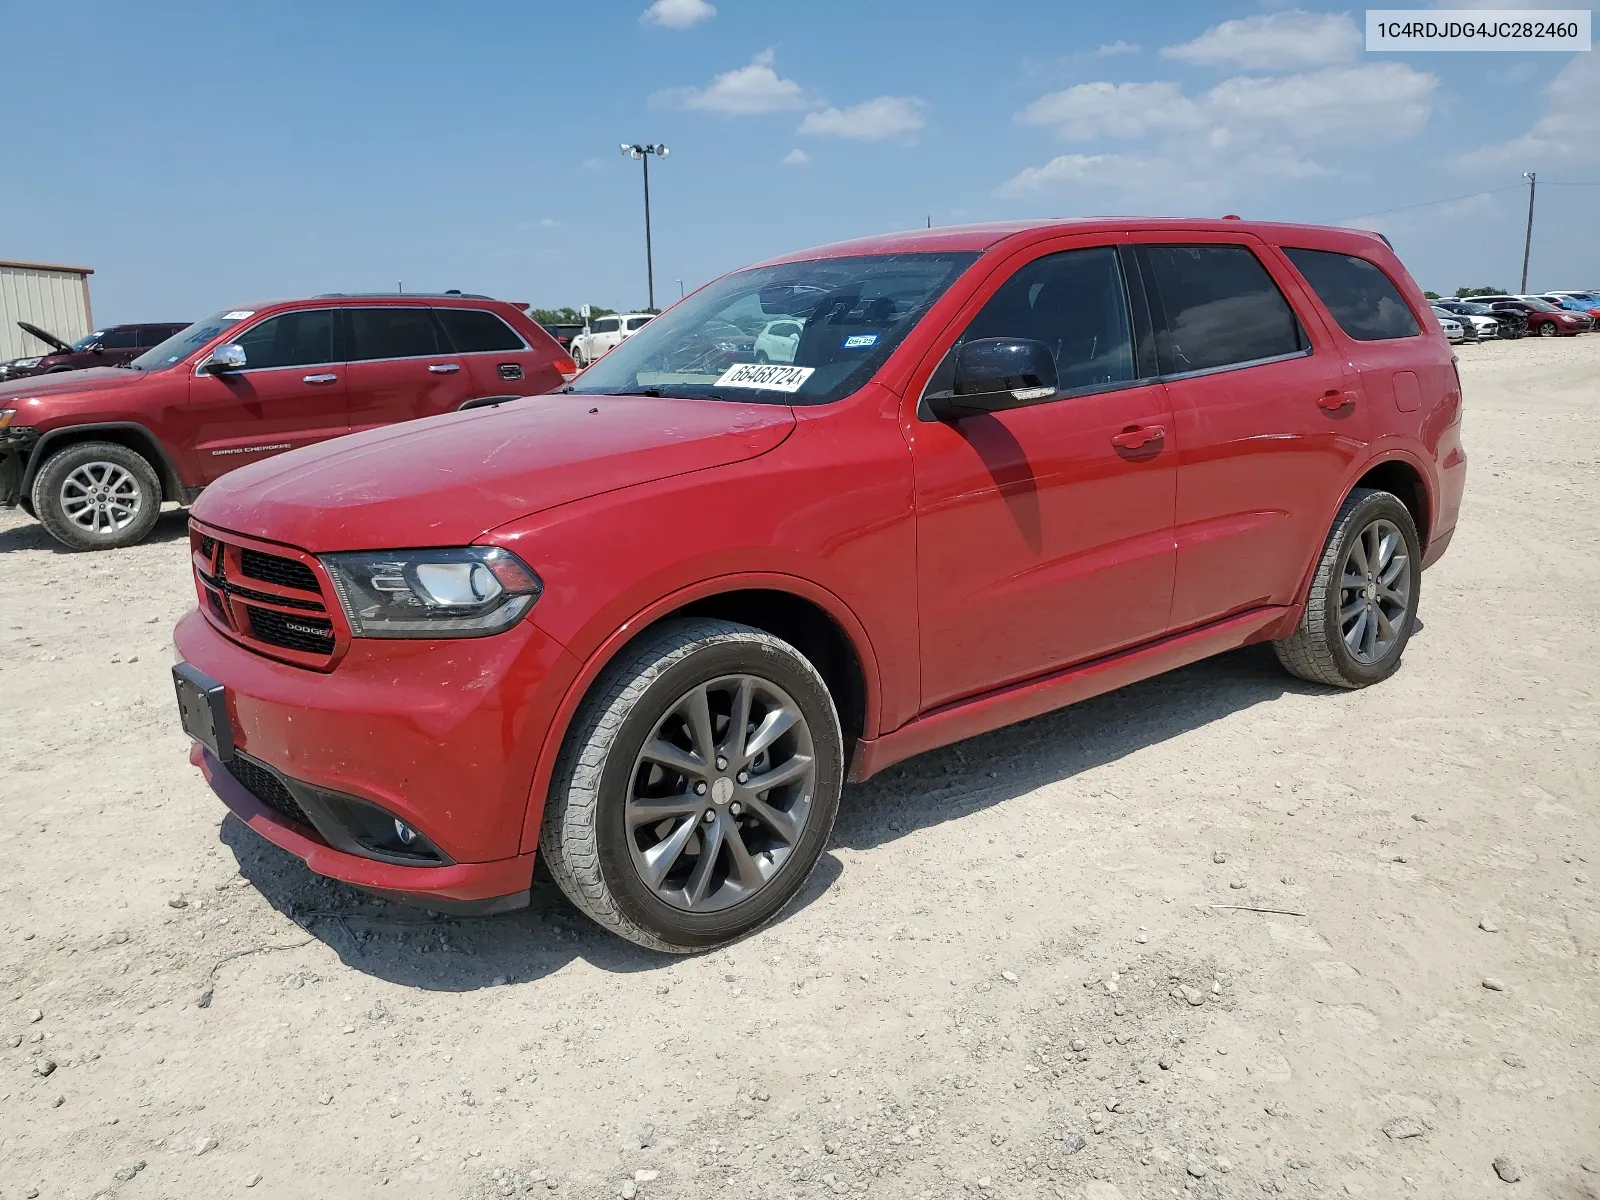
567, 367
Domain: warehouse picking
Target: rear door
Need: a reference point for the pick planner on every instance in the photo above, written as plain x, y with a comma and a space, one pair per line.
291, 393
499, 361
1269, 420
401, 366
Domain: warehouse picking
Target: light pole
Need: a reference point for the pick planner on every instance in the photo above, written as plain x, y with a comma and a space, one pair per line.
643, 153
1527, 242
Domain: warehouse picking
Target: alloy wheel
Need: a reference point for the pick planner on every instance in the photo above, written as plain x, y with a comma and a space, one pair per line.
1374, 592
720, 793
100, 497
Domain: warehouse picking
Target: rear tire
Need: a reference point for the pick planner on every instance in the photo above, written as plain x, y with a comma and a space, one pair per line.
1359, 615
638, 809
97, 496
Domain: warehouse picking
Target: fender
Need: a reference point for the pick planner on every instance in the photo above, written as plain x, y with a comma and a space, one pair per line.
171, 482
1394, 451
598, 660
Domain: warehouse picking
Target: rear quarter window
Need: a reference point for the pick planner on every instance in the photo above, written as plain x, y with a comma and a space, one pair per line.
473, 331
1363, 300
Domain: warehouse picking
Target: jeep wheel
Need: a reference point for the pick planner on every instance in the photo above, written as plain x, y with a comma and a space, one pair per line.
1548, 329
1363, 599
97, 496
697, 786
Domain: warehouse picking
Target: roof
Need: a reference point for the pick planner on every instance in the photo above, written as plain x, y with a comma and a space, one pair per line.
33, 266
969, 238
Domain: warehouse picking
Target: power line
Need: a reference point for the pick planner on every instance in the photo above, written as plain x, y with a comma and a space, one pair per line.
1430, 203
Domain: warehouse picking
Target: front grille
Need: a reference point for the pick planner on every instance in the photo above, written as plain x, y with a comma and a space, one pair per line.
272, 603
270, 568
263, 783
309, 635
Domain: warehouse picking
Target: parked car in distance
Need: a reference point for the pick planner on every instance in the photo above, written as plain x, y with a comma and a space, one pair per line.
1476, 327
1453, 328
1589, 306
778, 340
93, 454
108, 347
1507, 323
562, 333
1544, 319
606, 333
650, 625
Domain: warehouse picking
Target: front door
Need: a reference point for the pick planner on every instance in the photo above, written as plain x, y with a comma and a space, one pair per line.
1270, 421
1044, 534
401, 367
290, 393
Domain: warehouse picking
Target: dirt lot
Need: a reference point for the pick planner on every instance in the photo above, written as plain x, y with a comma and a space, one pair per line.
1010, 977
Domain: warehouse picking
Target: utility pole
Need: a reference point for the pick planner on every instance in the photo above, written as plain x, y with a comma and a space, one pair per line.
643, 153
1527, 242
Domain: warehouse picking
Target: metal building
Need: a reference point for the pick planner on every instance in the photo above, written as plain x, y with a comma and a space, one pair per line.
53, 297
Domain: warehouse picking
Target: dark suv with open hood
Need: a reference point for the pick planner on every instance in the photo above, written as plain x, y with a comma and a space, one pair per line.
108, 347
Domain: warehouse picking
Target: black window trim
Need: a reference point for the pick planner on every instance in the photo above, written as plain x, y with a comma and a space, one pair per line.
236, 332
467, 308
1398, 291
1300, 322
1131, 310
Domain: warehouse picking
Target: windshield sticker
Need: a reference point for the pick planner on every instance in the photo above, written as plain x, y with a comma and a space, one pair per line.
768, 377
858, 340
238, 314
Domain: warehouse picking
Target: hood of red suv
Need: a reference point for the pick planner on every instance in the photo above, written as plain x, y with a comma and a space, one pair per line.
93, 379
446, 481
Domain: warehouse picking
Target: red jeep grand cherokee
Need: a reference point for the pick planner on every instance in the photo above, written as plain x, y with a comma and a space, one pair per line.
92, 454
649, 627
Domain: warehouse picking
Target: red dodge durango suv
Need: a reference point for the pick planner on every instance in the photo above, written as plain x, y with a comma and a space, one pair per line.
92, 454
648, 626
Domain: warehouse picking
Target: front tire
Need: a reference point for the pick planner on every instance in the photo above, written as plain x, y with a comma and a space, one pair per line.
1548, 329
657, 825
97, 496
1363, 600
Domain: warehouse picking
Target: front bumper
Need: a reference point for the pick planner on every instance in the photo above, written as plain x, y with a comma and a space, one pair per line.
443, 735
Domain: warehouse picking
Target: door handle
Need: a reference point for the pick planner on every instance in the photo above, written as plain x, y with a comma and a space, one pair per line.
328, 378
444, 368
1333, 401
1137, 437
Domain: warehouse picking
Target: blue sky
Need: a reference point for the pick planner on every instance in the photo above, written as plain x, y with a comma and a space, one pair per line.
200, 155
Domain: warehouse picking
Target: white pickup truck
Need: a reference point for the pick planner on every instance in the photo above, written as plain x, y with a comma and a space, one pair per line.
605, 333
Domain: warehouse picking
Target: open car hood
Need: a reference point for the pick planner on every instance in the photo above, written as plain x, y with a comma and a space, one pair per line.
45, 336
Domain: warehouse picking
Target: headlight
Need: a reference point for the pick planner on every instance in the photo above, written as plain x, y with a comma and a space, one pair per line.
468, 592
24, 362
6, 416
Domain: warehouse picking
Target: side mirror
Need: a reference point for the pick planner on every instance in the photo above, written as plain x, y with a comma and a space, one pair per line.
994, 374
225, 358
97, 348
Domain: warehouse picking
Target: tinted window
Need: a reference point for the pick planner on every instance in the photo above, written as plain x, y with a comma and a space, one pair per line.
120, 339
637, 323
392, 333
292, 339
1216, 306
1072, 302
1360, 296
605, 325
472, 331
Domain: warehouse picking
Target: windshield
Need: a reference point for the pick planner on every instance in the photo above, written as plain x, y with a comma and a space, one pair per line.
850, 313
1541, 305
186, 341
88, 340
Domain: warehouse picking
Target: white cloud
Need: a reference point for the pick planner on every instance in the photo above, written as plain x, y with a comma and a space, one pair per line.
796, 158
870, 121
1177, 179
745, 91
549, 223
1274, 42
1118, 109
1375, 101
1565, 133
1117, 47
677, 14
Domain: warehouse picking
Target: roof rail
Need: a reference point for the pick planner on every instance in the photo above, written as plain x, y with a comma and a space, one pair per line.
453, 292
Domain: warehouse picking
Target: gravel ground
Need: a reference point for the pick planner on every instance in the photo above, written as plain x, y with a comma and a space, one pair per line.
1013, 976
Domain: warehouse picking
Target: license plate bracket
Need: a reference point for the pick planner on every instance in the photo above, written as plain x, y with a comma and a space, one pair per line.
203, 710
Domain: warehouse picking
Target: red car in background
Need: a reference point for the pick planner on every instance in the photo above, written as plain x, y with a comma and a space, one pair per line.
93, 454
108, 347
648, 627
